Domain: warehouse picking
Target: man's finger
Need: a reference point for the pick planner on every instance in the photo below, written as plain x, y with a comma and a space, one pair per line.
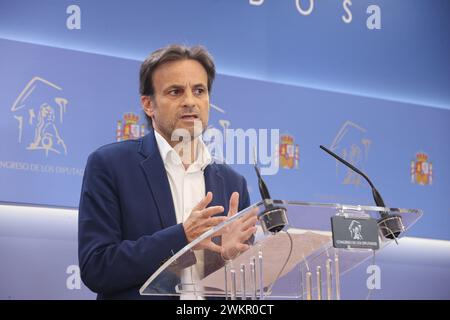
214, 221
213, 247
234, 203
248, 216
248, 223
219, 232
242, 247
208, 212
204, 202
247, 233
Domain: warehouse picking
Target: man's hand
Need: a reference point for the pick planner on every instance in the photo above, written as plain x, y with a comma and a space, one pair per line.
238, 232
201, 220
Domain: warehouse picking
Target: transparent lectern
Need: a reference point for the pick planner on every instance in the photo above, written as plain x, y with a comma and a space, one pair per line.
299, 262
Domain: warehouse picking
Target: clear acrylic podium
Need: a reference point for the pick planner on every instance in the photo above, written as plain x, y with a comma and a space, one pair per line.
299, 262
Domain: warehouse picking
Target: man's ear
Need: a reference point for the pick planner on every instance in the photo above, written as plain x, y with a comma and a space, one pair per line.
148, 106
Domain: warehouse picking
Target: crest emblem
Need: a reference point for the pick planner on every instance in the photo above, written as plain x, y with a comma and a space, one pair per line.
421, 170
129, 128
289, 153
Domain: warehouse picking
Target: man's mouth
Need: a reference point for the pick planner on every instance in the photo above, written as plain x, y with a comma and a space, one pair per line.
190, 116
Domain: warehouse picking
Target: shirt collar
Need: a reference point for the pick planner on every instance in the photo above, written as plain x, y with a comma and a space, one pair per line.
169, 155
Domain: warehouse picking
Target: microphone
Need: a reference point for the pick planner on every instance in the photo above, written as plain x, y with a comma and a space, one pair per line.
390, 224
273, 218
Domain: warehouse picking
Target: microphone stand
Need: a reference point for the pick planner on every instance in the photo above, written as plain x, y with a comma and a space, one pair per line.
391, 225
273, 218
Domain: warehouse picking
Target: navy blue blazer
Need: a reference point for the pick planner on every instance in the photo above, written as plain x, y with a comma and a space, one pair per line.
127, 225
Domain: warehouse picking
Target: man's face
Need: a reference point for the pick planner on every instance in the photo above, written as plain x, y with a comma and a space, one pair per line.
180, 98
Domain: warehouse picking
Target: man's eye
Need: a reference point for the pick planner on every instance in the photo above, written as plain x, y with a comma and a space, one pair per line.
199, 91
174, 92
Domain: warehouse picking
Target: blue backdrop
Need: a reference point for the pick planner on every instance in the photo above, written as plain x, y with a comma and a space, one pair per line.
382, 137
379, 96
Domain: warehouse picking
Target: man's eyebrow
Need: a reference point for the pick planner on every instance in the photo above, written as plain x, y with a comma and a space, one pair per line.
182, 86
175, 86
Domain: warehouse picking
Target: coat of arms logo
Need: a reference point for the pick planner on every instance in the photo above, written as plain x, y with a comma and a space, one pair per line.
421, 170
129, 128
289, 153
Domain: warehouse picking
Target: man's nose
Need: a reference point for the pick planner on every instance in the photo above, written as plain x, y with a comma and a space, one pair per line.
189, 99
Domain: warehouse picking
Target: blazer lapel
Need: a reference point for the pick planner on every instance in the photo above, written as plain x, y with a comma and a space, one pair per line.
158, 182
215, 183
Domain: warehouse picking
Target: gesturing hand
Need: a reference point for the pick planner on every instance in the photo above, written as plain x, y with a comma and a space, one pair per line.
201, 220
238, 232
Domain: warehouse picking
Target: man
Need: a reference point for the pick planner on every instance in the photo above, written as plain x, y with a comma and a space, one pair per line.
144, 200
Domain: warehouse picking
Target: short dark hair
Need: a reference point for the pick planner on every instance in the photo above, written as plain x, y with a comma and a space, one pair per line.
174, 52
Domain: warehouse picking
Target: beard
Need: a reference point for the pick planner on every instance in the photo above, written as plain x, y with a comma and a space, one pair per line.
189, 132
177, 130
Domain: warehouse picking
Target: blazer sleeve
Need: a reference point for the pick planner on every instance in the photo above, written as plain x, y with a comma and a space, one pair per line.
107, 262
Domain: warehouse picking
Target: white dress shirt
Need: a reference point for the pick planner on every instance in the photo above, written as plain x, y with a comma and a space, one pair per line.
188, 188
